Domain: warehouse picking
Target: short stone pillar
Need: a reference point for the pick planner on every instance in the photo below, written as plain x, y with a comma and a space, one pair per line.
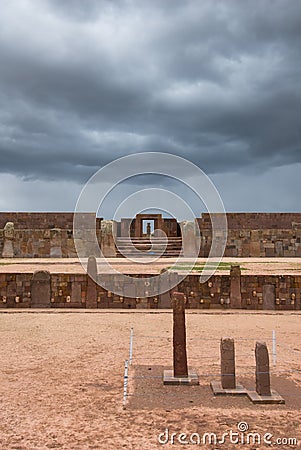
262, 369
40, 289
180, 373
55, 243
9, 234
227, 385
189, 239
264, 394
91, 298
235, 290
108, 236
228, 363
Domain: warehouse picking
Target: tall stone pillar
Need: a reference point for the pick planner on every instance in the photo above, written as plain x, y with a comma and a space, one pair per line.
235, 290
91, 298
228, 363
108, 236
189, 239
9, 234
179, 336
55, 243
180, 373
125, 227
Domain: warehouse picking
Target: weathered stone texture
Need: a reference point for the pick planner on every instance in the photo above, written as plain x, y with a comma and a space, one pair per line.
235, 290
40, 289
262, 369
228, 363
179, 336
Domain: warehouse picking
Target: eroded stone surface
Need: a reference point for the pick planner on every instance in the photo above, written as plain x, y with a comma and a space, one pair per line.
91, 299
108, 236
40, 289
189, 242
262, 369
235, 288
228, 363
8, 246
179, 335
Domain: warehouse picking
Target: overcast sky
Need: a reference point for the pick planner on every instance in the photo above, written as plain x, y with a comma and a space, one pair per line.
85, 82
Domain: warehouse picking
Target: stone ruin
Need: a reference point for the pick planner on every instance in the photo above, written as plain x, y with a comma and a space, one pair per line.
180, 374
41, 235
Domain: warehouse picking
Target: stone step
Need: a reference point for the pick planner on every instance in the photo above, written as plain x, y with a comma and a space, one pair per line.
155, 246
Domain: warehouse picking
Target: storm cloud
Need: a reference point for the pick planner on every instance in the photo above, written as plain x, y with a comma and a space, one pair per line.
216, 82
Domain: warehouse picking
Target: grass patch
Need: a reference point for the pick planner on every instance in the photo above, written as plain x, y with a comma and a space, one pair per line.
199, 267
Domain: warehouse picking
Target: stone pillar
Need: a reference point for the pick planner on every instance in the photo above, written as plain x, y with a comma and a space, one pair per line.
125, 227
9, 234
255, 239
179, 336
170, 279
55, 243
91, 299
235, 290
262, 369
108, 236
189, 239
148, 229
228, 363
40, 289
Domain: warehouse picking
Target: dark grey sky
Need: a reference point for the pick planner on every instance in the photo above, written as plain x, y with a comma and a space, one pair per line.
85, 82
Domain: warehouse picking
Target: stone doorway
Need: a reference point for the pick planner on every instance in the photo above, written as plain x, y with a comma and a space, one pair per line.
155, 219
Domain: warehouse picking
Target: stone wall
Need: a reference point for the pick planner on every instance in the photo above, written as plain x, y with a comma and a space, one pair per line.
70, 291
256, 235
40, 235
249, 234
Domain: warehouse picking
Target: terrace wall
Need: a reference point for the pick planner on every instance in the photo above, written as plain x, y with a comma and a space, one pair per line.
249, 234
71, 291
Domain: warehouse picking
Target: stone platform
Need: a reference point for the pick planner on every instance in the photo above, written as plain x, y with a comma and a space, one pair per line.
170, 379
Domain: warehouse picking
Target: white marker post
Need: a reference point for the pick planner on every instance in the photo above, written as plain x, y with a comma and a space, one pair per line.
125, 382
274, 347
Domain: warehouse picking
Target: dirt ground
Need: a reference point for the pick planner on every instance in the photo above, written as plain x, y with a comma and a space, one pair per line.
250, 266
62, 374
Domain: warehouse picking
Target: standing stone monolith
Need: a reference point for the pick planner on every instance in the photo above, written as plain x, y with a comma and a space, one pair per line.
91, 300
56, 243
262, 369
189, 241
41, 289
108, 237
8, 246
179, 336
235, 288
228, 363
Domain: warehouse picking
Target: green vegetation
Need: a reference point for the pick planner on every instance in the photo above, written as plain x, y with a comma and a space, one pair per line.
200, 266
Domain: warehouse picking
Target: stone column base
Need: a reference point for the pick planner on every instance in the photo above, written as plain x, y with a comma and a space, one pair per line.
274, 398
217, 389
191, 380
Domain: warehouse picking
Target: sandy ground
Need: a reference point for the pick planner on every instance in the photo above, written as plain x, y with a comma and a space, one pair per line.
250, 266
61, 379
